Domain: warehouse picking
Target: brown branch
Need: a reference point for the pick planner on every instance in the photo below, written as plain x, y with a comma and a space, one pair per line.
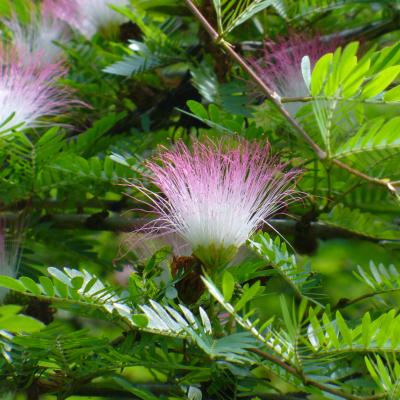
344, 302
120, 223
274, 98
93, 391
310, 382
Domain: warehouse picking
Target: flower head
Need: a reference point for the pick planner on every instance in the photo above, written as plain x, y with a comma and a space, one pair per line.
63, 10
90, 16
281, 64
216, 195
28, 91
39, 37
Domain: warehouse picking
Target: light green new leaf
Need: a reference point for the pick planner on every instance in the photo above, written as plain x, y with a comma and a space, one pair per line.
392, 95
351, 85
344, 329
11, 283
320, 72
21, 324
348, 60
228, 285
380, 82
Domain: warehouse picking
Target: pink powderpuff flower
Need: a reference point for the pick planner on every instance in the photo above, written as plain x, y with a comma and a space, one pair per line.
40, 35
28, 92
90, 16
217, 195
63, 10
280, 67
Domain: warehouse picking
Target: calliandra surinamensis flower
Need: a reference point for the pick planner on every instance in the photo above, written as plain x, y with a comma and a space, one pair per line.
91, 16
63, 10
40, 35
280, 67
217, 194
28, 92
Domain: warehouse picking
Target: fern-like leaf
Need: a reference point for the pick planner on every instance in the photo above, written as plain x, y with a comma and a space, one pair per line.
275, 252
336, 336
379, 278
231, 14
360, 223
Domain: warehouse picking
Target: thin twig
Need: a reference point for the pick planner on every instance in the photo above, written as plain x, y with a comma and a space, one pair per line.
121, 223
342, 303
310, 382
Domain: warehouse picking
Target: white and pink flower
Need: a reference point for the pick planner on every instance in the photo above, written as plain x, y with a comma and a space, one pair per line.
280, 67
42, 35
28, 92
217, 194
89, 16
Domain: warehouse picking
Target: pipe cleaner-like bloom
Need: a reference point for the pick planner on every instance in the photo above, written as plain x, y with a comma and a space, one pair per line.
281, 65
90, 16
217, 195
41, 34
28, 92
63, 10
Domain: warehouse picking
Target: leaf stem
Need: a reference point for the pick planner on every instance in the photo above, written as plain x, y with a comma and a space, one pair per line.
292, 370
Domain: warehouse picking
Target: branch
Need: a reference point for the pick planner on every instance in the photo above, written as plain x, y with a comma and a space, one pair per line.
274, 98
98, 391
344, 302
159, 390
310, 382
92, 391
118, 223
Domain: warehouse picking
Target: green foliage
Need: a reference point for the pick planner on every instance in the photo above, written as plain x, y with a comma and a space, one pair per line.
13, 322
274, 323
158, 50
380, 278
386, 379
363, 224
343, 85
275, 252
336, 336
232, 14
306, 8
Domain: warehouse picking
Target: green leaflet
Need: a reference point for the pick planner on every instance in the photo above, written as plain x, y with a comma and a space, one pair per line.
379, 277
320, 73
377, 139
16, 323
388, 379
380, 82
232, 13
335, 336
